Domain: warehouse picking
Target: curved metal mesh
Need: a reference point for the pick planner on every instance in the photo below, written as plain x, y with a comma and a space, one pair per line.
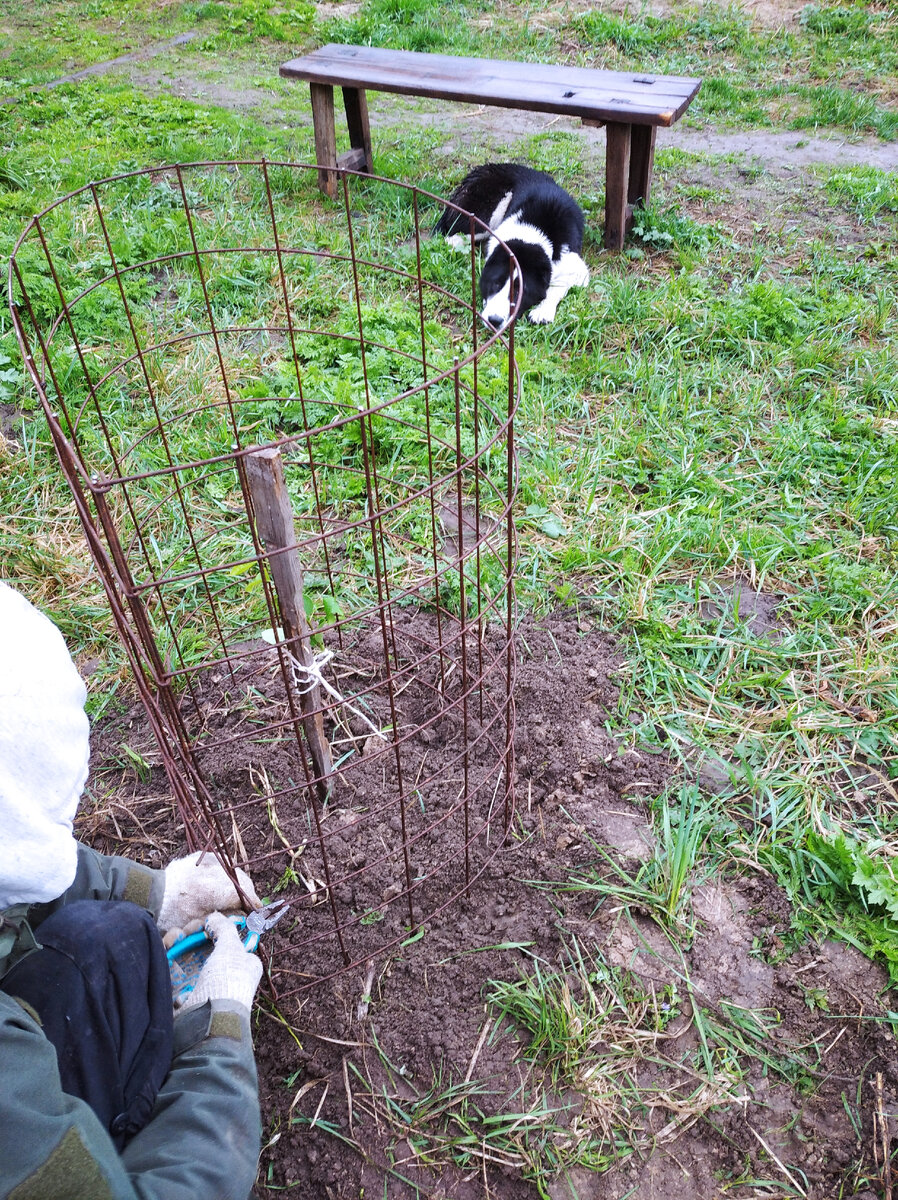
176, 321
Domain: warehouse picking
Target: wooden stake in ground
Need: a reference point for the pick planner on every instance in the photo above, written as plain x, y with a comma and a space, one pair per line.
274, 522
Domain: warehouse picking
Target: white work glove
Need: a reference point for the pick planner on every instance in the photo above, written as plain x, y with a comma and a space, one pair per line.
193, 889
177, 934
230, 972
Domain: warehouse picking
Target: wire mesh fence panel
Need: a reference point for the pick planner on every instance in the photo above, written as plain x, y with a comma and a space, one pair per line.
289, 440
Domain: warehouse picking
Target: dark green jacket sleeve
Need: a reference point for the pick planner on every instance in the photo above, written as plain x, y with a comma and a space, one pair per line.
201, 1143
108, 877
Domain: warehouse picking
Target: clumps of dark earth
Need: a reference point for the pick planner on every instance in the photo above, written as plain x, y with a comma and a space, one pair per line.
401, 1078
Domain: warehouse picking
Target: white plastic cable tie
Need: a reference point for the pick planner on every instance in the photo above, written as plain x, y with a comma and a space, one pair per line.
312, 676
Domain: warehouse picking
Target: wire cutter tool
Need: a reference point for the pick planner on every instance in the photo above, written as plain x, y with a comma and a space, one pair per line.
187, 957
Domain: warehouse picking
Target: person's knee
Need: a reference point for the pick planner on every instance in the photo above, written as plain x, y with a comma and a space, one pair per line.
100, 919
97, 933
101, 988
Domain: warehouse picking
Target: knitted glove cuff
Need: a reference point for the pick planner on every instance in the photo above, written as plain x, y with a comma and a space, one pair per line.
231, 972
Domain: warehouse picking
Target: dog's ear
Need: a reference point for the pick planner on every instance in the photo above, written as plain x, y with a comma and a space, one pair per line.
536, 272
450, 223
495, 288
494, 275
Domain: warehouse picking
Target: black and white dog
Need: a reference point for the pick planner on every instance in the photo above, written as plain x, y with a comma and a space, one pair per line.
539, 222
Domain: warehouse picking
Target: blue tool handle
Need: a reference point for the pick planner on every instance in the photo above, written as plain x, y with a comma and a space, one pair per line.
200, 937
194, 949
188, 943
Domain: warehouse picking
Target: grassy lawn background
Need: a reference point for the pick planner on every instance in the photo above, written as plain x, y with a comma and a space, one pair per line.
718, 410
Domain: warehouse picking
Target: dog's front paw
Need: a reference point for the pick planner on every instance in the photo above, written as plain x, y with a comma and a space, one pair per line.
570, 271
582, 275
458, 241
543, 314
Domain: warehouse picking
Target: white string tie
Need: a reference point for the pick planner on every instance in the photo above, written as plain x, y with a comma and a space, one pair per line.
307, 676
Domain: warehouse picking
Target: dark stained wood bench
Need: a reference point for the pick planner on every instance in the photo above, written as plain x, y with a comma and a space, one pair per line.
631, 107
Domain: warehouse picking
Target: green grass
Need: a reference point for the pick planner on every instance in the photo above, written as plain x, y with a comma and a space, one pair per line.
719, 406
662, 885
46, 39
743, 67
867, 190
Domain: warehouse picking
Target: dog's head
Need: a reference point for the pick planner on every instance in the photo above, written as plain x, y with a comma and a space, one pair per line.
497, 287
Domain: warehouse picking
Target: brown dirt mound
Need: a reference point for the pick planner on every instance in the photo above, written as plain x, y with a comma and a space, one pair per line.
399, 1078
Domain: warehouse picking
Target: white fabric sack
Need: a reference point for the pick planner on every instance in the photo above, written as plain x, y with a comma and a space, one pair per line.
44, 749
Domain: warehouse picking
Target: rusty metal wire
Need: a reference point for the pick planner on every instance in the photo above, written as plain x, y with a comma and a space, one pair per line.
165, 353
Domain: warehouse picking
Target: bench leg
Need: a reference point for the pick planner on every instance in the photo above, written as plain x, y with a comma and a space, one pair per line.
617, 183
642, 160
322, 95
359, 157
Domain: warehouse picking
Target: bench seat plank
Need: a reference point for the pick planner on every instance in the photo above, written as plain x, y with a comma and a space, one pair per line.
636, 99
632, 106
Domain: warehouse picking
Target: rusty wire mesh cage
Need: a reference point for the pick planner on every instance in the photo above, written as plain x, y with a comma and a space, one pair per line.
290, 446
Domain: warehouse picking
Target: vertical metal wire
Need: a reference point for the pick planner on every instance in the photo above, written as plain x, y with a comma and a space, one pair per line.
427, 427
31, 365
302, 399
163, 437
475, 366
110, 444
371, 469
463, 610
509, 585
376, 546
475, 329
198, 804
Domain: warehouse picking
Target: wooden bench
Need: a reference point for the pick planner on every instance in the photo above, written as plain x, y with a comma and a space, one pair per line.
630, 106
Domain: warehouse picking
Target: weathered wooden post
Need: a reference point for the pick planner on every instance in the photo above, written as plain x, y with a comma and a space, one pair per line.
274, 522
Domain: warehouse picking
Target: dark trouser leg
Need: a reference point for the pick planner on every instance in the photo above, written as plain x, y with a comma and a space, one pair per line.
102, 990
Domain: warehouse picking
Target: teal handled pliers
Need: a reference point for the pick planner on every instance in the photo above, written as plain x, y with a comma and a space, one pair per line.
261, 919
187, 956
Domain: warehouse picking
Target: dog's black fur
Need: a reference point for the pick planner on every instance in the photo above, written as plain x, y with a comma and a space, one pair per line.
538, 220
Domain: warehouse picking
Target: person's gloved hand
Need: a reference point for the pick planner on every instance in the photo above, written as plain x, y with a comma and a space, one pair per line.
193, 889
230, 972
176, 933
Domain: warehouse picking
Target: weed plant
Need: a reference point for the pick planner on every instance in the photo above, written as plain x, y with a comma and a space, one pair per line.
661, 886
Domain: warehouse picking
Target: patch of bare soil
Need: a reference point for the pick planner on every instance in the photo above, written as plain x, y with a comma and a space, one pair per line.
780, 152
751, 200
740, 603
233, 95
10, 422
397, 1076
121, 60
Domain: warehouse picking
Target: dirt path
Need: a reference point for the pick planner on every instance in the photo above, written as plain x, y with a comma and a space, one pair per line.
778, 151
